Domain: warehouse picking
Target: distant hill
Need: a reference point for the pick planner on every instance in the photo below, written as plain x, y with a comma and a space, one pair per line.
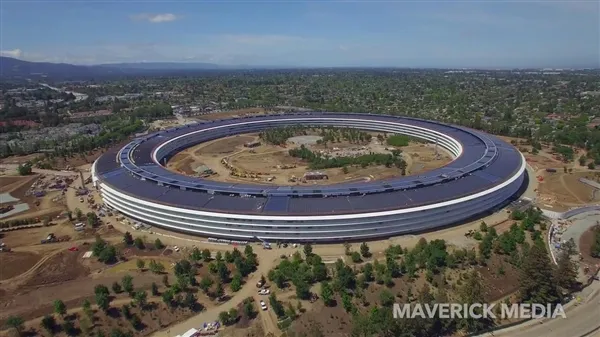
14, 68
163, 66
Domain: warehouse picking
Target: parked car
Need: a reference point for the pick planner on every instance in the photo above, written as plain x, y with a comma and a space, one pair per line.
264, 292
263, 305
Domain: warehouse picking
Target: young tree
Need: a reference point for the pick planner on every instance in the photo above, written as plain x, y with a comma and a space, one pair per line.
125, 309
190, 300
128, 239
368, 272
249, 309
140, 264
141, 299
158, 244
156, 267
364, 250
206, 255
228, 257
386, 298
347, 302
308, 250
167, 297
87, 309
224, 318
236, 282
356, 257
219, 292
103, 301
116, 287
108, 255
69, 328
326, 293
154, 289
127, 282
16, 323
139, 243
78, 214
483, 227
196, 255
60, 308
49, 324
206, 283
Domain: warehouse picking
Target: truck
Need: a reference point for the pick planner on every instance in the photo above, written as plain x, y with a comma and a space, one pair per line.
49, 238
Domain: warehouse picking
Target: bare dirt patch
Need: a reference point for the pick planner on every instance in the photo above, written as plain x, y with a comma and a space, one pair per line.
500, 278
16, 263
231, 114
19, 159
270, 164
25, 237
16, 186
565, 189
224, 145
65, 266
333, 321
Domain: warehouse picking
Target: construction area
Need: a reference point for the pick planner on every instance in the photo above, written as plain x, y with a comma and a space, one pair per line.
53, 261
244, 158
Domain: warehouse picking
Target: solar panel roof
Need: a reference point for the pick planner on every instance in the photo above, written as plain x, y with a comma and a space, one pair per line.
485, 161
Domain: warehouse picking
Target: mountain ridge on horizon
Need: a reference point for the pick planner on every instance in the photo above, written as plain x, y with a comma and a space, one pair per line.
17, 68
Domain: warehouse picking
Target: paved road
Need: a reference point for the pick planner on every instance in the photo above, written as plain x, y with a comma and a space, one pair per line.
581, 319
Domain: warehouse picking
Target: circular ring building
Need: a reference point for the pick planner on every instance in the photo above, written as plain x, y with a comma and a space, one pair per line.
485, 174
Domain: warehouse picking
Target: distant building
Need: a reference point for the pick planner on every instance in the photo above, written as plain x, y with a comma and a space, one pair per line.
252, 144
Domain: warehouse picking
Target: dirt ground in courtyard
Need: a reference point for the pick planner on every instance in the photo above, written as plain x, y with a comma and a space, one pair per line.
268, 161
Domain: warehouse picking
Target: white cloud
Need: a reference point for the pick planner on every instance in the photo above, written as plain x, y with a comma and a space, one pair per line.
15, 53
155, 18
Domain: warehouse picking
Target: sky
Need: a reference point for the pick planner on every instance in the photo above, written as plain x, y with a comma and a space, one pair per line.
445, 34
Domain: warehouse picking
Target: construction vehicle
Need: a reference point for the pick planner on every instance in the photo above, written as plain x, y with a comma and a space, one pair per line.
265, 244
49, 238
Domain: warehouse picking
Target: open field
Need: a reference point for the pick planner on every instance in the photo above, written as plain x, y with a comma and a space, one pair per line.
16, 263
230, 114
269, 162
562, 190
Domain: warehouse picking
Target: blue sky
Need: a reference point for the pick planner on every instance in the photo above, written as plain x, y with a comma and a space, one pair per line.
447, 33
